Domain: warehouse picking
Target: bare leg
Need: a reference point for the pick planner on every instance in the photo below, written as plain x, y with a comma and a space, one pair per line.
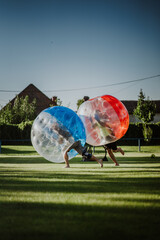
100, 161
66, 160
93, 158
112, 157
120, 150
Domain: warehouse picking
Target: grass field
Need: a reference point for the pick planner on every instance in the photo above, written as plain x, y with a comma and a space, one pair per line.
42, 200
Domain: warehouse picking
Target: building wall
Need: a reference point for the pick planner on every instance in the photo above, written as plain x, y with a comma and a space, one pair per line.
133, 119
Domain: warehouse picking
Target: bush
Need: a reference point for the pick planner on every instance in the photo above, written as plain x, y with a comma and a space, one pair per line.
15, 132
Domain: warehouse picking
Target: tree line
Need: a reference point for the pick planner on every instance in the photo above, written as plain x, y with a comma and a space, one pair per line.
22, 110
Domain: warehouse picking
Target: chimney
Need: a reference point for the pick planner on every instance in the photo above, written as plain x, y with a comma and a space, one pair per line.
54, 100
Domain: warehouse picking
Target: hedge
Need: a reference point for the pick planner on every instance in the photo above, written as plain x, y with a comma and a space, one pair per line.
15, 132
135, 132
22, 131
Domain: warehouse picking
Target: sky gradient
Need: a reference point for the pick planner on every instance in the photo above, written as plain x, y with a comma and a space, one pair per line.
64, 45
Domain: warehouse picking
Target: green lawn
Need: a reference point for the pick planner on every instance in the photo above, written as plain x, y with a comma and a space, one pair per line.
42, 200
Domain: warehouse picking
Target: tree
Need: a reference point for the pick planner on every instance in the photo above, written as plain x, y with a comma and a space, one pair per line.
6, 115
27, 109
145, 111
21, 111
79, 102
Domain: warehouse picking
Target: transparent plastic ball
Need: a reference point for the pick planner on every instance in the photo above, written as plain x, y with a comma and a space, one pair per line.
54, 130
105, 118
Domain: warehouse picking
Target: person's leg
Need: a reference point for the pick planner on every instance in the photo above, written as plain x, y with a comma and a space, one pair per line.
100, 161
73, 146
66, 159
120, 150
112, 157
82, 151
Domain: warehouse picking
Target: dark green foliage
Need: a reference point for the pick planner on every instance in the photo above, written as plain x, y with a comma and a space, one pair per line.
25, 129
147, 132
145, 110
15, 131
9, 131
6, 115
135, 131
79, 102
21, 111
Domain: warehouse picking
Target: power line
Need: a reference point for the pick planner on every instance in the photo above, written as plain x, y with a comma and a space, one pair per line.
95, 87
103, 86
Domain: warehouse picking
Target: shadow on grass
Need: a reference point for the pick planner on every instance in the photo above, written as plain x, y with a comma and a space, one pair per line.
69, 221
77, 183
77, 160
23, 160
9, 150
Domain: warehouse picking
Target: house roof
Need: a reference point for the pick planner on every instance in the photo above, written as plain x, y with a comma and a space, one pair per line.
44, 102
33, 92
132, 104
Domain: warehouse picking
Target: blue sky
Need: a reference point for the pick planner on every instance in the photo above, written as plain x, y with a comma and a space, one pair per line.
64, 45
